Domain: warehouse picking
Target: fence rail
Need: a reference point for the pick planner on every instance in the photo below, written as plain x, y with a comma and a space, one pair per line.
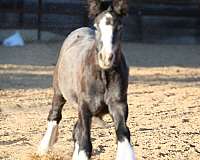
40, 9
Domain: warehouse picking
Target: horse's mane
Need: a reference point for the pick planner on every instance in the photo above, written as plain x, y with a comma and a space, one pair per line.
98, 6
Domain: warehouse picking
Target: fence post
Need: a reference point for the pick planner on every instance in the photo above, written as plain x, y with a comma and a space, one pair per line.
39, 15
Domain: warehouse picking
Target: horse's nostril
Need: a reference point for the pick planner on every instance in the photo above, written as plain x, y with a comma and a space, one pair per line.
110, 58
101, 56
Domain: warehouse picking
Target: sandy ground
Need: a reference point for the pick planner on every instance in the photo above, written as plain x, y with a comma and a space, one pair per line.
163, 98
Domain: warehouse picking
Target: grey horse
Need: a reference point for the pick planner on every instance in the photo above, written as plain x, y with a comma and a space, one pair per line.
92, 72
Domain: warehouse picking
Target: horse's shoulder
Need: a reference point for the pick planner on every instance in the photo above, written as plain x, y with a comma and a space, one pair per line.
84, 31
81, 33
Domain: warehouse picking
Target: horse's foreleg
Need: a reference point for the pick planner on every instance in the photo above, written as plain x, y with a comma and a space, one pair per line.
54, 117
119, 113
76, 134
81, 135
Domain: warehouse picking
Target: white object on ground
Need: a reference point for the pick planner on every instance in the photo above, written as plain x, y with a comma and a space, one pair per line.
14, 40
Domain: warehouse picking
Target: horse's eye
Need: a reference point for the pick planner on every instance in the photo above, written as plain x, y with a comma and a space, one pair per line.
95, 26
119, 27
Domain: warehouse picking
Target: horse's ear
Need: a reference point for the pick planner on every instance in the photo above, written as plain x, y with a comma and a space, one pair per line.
98, 6
94, 8
120, 7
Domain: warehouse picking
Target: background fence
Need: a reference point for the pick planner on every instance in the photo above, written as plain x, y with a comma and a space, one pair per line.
148, 20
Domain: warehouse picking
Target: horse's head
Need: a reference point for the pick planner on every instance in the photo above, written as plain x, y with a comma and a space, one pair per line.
108, 24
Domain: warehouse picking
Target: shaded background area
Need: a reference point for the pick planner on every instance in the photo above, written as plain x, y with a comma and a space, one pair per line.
32, 66
149, 21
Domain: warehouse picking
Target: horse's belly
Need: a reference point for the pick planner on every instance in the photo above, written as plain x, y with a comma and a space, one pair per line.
71, 87
70, 70
67, 77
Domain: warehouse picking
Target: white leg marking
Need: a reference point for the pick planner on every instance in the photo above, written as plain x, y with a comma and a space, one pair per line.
79, 155
125, 151
75, 154
82, 156
49, 138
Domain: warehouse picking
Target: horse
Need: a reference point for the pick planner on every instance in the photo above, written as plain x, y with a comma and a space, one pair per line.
92, 72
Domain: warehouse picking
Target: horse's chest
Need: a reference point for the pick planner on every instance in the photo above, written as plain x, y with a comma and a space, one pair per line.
93, 89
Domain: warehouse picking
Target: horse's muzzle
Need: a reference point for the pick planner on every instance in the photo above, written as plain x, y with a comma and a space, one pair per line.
106, 60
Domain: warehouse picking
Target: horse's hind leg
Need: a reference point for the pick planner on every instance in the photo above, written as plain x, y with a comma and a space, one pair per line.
54, 117
81, 135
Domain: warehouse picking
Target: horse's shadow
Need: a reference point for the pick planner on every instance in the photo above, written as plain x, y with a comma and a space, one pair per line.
10, 142
100, 149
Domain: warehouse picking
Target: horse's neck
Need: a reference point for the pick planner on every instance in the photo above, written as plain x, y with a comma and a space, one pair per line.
119, 55
91, 57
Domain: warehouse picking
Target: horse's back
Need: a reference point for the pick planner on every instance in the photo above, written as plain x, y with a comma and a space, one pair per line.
77, 38
73, 54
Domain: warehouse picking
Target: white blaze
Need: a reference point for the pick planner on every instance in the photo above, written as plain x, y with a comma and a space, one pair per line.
106, 34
